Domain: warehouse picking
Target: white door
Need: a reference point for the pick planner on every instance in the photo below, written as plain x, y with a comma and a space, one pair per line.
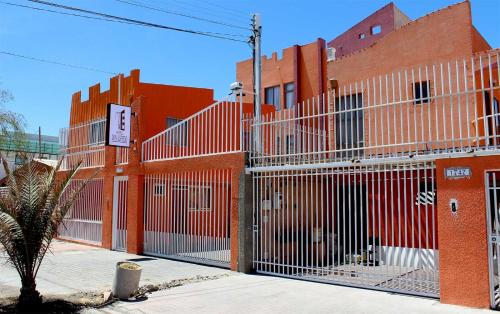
120, 194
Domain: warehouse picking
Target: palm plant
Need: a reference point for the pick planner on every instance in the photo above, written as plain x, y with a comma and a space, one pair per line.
30, 212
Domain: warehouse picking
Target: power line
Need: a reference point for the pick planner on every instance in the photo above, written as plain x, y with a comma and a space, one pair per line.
223, 8
63, 13
138, 22
56, 62
182, 14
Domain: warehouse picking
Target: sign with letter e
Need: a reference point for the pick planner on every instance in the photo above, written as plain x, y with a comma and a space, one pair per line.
118, 125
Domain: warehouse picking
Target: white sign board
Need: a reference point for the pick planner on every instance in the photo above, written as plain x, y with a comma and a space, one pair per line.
118, 126
457, 172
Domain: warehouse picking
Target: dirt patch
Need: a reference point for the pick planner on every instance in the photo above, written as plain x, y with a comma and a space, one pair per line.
75, 302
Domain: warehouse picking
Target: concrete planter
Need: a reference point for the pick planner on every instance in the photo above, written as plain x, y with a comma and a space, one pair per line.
126, 281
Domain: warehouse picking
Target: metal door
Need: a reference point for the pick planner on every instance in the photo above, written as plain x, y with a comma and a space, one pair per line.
493, 208
120, 193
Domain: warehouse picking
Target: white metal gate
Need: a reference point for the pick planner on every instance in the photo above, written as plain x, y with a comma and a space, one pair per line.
83, 222
120, 194
369, 226
187, 216
493, 214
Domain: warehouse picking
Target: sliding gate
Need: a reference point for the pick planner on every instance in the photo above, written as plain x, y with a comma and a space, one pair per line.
187, 216
367, 226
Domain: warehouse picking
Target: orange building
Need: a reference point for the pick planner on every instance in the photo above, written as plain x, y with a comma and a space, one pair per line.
376, 165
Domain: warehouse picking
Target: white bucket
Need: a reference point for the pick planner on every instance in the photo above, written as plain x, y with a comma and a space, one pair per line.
126, 281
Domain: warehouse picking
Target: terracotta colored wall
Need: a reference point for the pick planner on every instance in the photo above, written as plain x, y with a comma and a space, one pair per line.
463, 247
439, 36
162, 101
478, 41
304, 65
388, 17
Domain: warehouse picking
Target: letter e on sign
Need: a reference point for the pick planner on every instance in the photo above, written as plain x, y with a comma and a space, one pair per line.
457, 172
118, 125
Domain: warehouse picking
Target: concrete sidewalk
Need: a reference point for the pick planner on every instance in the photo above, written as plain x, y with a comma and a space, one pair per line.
261, 294
77, 268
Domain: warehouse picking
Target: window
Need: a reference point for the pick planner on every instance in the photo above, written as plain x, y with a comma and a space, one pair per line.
377, 29
272, 95
426, 194
421, 92
289, 95
96, 132
199, 198
159, 189
361, 36
177, 136
349, 125
290, 144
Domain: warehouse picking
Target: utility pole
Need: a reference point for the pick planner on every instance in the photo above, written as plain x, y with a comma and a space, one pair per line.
257, 72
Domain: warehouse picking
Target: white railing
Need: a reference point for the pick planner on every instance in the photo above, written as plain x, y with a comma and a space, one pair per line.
83, 222
213, 130
122, 155
446, 108
84, 142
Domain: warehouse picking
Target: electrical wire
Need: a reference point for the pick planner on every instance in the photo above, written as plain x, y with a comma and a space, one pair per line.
193, 7
63, 13
138, 22
222, 8
56, 62
135, 3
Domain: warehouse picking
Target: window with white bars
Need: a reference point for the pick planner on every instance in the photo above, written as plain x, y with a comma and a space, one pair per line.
426, 194
199, 198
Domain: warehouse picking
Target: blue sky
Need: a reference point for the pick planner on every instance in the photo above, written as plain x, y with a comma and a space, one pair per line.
43, 91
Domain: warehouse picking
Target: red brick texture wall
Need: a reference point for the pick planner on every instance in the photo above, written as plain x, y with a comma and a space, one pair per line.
463, 247
303, 65
388, 17
439, 36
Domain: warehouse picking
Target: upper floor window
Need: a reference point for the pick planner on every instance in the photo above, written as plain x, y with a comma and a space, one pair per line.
421, 92
361, 36
97, 132
177, 136
272, 95
376, 29
289, 95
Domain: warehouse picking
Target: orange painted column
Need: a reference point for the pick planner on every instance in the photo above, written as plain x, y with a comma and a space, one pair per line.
463, 246
107, 197
135, 214
235, 184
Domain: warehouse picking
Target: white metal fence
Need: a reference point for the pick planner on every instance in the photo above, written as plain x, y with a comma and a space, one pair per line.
213, 130
84, 142
83, 222
367, 226
493, 215
439, 109
187, 216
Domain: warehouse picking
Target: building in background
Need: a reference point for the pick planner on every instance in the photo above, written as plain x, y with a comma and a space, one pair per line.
17, 150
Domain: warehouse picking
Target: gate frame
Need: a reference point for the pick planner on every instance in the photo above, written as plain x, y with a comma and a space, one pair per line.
491, 269
116, 180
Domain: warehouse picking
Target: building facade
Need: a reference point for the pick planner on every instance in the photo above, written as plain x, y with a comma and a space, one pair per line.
378, 169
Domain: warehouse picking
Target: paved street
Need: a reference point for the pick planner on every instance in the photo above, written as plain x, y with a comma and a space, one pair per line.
261, 294
75, 268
